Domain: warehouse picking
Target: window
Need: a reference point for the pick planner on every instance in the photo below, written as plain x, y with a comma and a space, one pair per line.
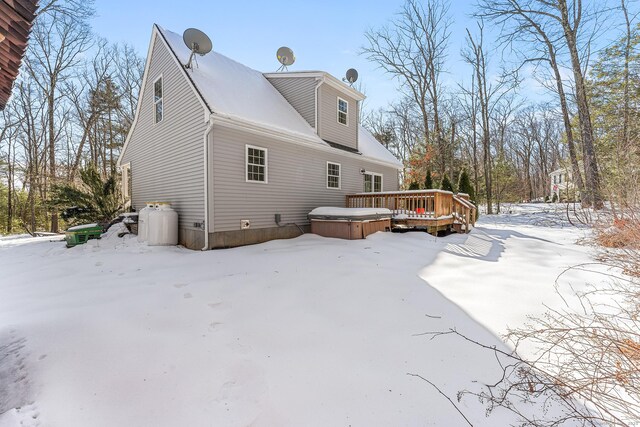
343, 111
157, 99
256, 164
372, 182
126, 181
333, 175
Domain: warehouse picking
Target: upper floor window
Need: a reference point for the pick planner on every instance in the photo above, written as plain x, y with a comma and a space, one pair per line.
333, 175
343, 111
256, 164
158, 99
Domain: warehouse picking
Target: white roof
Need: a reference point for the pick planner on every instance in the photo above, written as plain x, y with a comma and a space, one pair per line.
369, 146
236, 91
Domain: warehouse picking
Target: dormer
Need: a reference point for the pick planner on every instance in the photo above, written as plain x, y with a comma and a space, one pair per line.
327, 104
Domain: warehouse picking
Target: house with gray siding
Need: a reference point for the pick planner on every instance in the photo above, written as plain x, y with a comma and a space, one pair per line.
244, 156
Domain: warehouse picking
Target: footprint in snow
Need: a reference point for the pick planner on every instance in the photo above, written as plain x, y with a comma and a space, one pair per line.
14, 376
188, 295
180, 285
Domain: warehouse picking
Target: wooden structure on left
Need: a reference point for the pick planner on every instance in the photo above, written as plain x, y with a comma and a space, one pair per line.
16, 19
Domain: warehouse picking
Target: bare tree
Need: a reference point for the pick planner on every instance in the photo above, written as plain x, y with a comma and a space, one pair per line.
413, 48
551, 26
475, 56
58, 39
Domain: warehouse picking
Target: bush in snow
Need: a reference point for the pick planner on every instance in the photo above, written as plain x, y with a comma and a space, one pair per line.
95, 200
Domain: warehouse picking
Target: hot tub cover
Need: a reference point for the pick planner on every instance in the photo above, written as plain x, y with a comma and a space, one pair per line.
353, 214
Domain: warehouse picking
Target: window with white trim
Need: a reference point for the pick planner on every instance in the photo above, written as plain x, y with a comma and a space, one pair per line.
372, 182
158, 102
256, 164
333, 175
126, 181
343, 111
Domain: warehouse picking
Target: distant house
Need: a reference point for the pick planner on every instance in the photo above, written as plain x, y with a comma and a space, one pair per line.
562, 185
244, 156
16, 18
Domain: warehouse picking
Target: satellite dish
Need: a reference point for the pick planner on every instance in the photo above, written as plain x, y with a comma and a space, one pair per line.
198, 42
285, 57
351, 76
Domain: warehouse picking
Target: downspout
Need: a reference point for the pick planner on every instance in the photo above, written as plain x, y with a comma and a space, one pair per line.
206, 182
317, 108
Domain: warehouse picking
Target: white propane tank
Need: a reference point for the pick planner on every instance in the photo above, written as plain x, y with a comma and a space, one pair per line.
143, 221
163, 226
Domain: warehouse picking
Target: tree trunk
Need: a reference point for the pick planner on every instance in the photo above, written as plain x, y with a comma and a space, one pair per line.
592, 175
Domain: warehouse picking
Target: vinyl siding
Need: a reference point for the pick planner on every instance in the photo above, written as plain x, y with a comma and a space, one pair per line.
329, 129
300, 93
297, 180
167, 157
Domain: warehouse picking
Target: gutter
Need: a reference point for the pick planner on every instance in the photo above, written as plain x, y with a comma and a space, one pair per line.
206, 181
320, 81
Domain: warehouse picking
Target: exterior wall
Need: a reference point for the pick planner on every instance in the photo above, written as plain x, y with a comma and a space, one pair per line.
297, 180
167, 157
329, 129
300, 93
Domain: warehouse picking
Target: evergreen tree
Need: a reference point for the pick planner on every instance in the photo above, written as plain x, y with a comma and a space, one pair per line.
96, 200
446, 183
414, 186
428, 181
464, 185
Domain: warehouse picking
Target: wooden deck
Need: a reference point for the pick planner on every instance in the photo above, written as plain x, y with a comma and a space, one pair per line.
433, 210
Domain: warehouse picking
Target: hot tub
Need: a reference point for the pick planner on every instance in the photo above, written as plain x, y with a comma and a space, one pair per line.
349, 223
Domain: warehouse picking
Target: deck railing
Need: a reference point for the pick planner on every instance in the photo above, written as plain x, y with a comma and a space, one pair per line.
419, 204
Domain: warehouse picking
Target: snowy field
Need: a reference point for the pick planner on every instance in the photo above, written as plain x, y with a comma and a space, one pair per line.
303, 332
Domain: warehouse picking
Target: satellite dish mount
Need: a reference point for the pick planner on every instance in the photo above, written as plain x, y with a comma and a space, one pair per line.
351, 76
198, 42
285, 57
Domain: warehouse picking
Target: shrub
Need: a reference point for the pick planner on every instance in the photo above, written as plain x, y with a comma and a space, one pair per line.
95, 200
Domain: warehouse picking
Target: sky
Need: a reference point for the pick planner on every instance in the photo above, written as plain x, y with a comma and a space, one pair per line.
325, 36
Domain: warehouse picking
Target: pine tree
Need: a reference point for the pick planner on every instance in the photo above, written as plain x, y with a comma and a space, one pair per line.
446, 183
428, 181
464, 185
414, 186
97, 200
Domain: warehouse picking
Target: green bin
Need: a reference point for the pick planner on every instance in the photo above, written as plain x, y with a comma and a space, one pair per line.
80, 234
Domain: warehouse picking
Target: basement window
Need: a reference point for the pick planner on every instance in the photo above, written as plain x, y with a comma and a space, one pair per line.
256, 164
333, 175
343, 111
158, 99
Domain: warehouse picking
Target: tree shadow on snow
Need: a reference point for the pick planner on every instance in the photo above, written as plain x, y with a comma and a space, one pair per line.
486, 244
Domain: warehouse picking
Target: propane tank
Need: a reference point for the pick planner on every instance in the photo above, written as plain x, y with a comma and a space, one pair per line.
163, 226
143, 221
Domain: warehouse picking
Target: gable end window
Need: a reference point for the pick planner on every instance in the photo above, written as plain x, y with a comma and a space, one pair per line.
256, 164
158, 102
343, 111
333, 175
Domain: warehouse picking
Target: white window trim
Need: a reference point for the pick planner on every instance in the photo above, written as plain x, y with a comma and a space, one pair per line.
373, 181
246, 164
153, 97
338, 112
126, 170
339, 187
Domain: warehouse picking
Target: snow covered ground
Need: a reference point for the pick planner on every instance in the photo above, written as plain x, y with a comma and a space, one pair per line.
309, 331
